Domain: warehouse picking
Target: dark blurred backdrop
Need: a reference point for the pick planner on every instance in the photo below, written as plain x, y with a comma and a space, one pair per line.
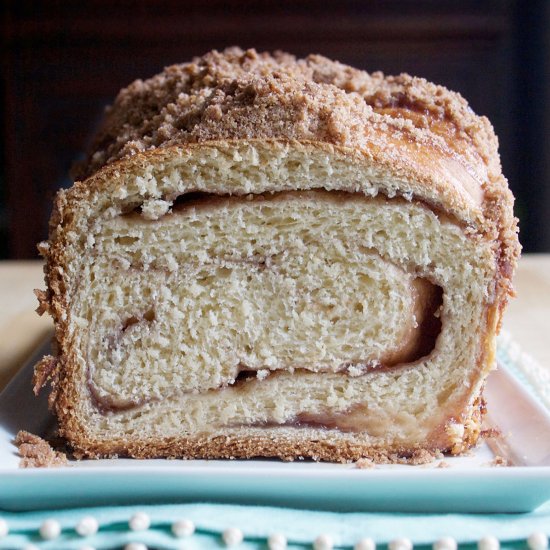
62, 62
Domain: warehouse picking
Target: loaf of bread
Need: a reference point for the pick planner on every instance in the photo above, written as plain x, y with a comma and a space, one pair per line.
265, 256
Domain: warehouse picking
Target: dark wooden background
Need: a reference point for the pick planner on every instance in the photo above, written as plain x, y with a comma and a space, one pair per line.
63, 61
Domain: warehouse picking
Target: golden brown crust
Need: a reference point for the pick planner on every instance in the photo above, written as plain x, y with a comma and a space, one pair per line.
228, 447
44, 370
43, 301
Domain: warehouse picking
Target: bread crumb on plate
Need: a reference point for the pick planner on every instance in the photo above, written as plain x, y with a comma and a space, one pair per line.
36, 452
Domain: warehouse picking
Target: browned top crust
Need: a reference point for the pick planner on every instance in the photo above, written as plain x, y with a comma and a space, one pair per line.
245, 94
238, 94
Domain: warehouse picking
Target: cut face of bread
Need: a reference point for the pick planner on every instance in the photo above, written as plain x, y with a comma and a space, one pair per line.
266, 297
224, 289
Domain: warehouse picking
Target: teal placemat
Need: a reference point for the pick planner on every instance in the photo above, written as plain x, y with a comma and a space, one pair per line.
300, 527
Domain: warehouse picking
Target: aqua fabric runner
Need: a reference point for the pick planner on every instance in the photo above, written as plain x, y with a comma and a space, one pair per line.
300, 527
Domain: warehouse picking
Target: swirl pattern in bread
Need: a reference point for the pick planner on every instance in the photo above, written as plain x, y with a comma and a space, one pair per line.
266, 256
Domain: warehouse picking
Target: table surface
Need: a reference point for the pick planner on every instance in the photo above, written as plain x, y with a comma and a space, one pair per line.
21, 329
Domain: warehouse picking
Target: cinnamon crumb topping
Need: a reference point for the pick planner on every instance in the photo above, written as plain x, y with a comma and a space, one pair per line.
246, 94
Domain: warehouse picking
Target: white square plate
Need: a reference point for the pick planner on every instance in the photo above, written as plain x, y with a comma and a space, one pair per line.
468, 484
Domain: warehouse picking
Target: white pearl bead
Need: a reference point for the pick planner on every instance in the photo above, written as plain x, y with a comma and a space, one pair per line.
488, 543
400, 543
50, 529
365, 544
4, 530
276, 541
139, 522
87, 526
537, 541
445, 543
183, 528
323, 542
135, 546
232, 536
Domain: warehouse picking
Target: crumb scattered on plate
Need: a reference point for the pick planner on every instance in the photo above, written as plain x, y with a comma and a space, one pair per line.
491, 432
365, 464
499, 461
422, 456
36, 452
